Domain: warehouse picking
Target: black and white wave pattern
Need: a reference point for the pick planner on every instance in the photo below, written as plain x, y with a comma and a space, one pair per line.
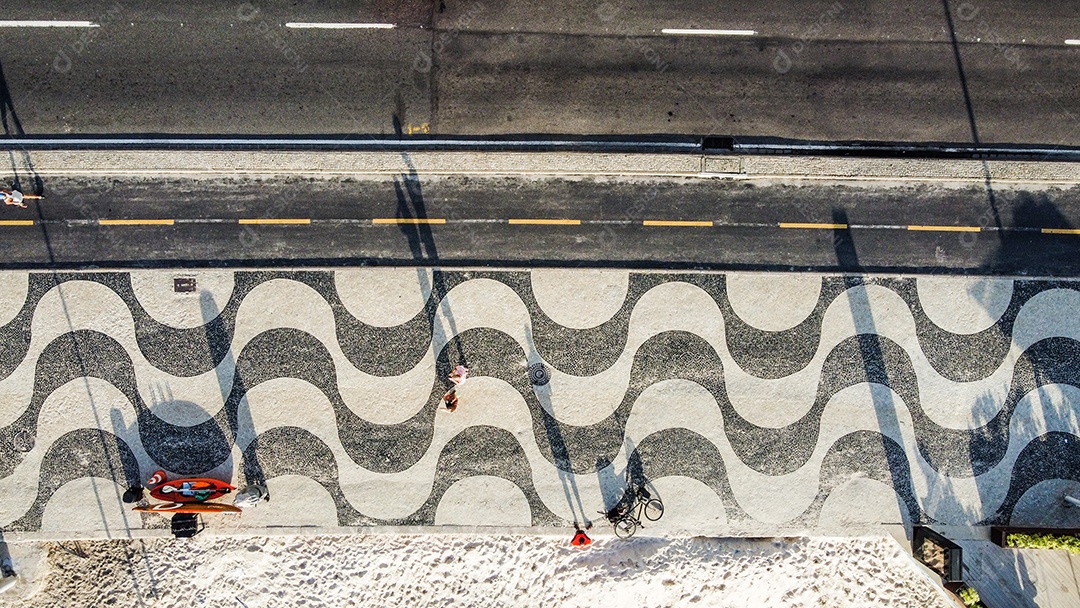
755, 402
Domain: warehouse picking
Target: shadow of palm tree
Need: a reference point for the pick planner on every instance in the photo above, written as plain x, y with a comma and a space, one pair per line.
560, 452
871, 351
1003, 577
13, 127
411, 212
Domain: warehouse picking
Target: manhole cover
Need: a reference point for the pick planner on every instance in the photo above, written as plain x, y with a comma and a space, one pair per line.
538, 374
23, 441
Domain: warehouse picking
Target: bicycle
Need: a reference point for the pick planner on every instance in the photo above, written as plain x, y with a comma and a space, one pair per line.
625, 516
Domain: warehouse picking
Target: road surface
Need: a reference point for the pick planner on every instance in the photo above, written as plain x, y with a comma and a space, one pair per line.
990, 72
604, 222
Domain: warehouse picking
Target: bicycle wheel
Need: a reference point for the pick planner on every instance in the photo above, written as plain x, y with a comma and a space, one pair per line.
654, 509
625, 527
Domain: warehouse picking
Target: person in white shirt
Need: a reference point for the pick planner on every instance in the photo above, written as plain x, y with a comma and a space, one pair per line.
459, 375
13, 197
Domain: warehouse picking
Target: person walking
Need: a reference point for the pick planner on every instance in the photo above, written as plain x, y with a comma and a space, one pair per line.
13, 197
459, 375
450, 400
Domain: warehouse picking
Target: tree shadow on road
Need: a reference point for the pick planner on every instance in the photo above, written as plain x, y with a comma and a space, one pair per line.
873, 359
412, 216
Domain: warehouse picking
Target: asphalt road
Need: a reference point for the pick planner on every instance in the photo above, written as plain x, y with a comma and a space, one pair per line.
989, 71
669, 223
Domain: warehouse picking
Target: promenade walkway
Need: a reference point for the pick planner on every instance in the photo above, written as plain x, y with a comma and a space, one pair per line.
752, 404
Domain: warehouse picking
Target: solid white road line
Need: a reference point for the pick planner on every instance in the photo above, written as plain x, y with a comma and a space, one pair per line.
1072, 42
48, 24
340, 26
678, 32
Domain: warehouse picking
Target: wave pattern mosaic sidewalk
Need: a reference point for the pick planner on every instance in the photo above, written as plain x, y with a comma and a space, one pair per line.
750, 403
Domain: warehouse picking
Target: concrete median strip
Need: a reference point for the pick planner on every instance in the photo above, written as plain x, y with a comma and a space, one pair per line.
555, 164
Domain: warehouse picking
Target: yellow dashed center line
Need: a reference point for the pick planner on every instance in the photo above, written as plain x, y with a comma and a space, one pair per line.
945, 228
555, 222
16, 222
408, 220
677, 223
546, 222
269, 221
813, 226
135, 222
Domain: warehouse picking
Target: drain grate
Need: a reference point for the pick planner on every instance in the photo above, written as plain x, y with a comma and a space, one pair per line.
538, 374
183, 284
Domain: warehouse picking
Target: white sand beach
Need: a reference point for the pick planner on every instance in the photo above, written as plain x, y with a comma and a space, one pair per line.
470, 571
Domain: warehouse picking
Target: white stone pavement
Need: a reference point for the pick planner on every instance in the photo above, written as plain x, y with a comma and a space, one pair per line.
752, 404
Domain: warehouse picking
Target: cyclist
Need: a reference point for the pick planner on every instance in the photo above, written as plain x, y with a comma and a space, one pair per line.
13, 197
617, 512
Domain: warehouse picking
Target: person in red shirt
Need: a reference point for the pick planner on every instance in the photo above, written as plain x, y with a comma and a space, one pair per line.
581, 539
450, 400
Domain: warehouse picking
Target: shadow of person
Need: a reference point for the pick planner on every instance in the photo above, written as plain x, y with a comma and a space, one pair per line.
411, 211
619, 498
134, 492
12, 126
132, 474
9, 118
241, 427
610, 486
635, 468
1023, 251
7, 568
